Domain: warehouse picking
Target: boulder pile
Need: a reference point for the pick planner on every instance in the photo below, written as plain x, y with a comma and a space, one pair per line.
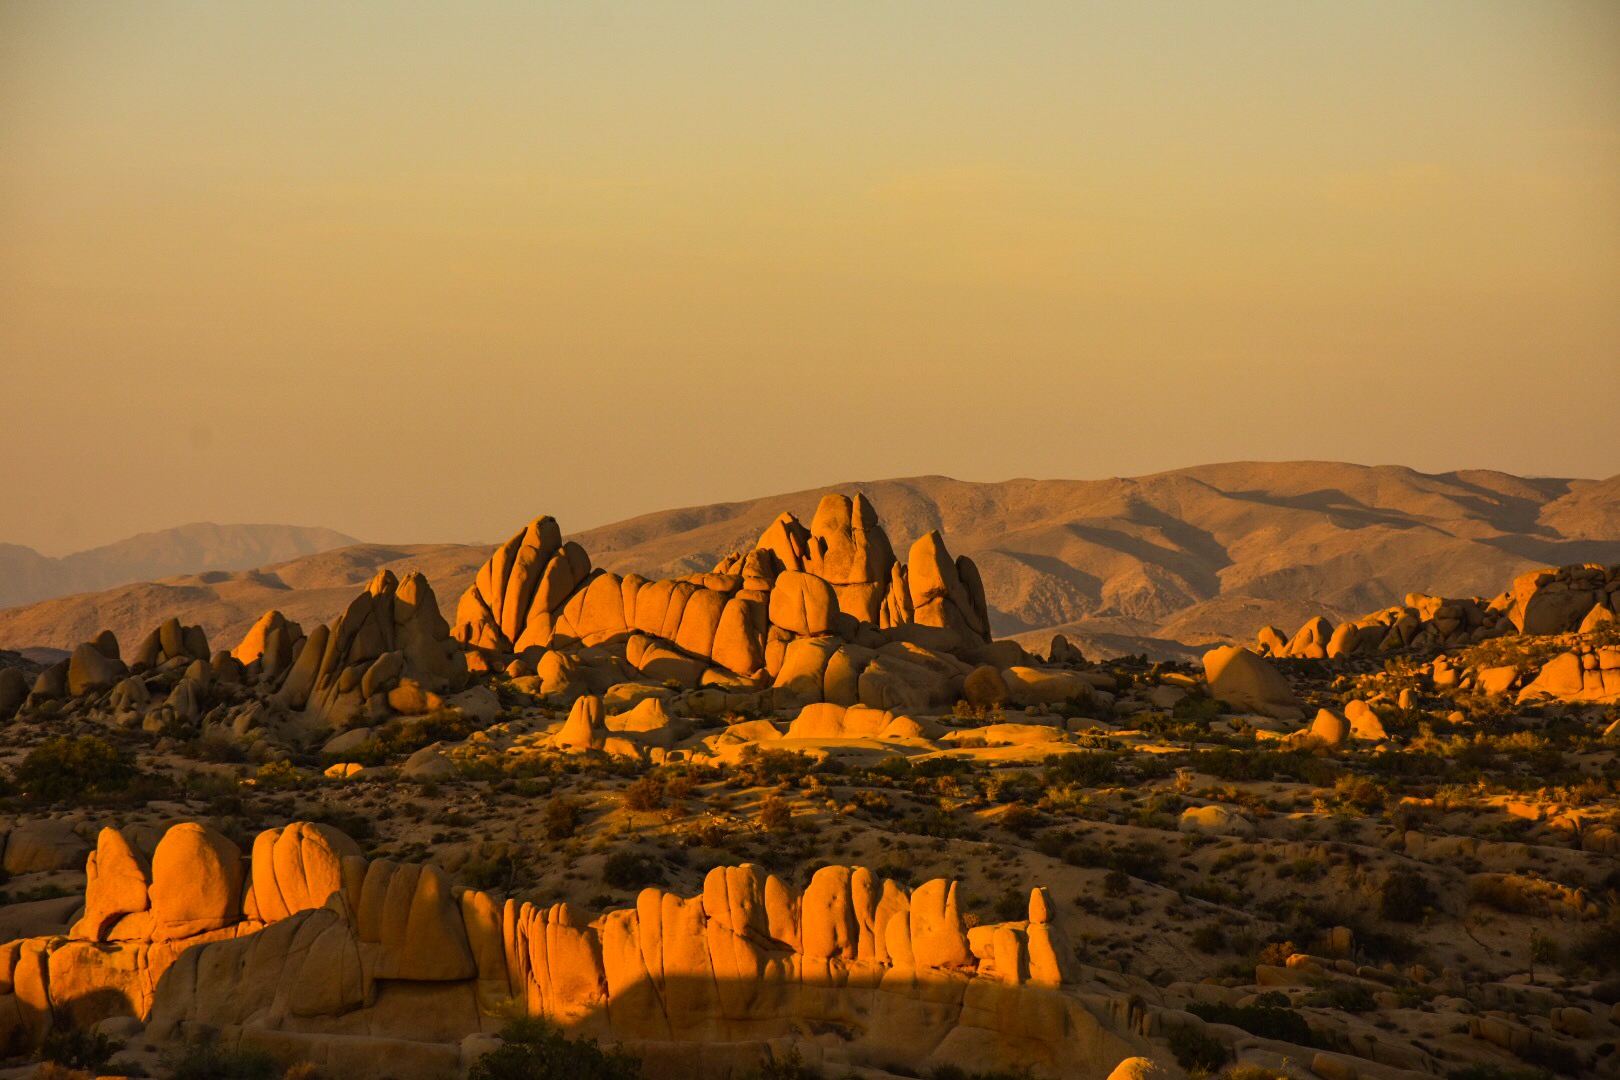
1568, 599
373, 968
819, 614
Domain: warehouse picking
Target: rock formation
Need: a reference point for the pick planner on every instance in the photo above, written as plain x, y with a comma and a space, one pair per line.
1568, 599
373, 968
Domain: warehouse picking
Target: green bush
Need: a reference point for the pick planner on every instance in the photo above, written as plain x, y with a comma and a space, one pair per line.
644, 795
561, 818
535, 1050
1083, 769
631, 870
1405, 896
1266, 1021
789, 1066
1196, 1051
207, 1060
74, 1048
67, 769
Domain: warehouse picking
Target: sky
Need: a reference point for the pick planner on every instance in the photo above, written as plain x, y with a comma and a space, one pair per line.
422, 272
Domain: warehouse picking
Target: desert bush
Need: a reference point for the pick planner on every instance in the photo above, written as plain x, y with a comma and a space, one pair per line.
1021, 820
279, 776
1405, 896
1209, 938
643, 795
535, 1050
1083, 770
631, 870
775, 815
1346, 997
67, 769
75, 1048
1300, 766
790, 1066
1266, 1021
1197, 1051
561, 817
208, 1060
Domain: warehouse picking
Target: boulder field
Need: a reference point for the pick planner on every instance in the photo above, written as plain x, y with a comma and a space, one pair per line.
302, 946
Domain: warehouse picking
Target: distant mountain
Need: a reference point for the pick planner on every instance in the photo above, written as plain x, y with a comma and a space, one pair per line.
1169, 562
26, 575
313, 589
1165, 564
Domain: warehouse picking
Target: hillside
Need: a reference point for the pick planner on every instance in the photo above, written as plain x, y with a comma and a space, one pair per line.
1163, 563
310, 590
27, 576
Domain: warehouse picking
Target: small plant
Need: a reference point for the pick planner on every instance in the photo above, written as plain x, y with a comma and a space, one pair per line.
535, 1050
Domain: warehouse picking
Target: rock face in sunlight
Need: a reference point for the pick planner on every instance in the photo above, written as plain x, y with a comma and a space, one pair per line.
374, 968
793, 808
824, 613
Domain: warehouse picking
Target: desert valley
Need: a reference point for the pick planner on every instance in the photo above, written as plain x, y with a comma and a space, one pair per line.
1167, 776
923, 540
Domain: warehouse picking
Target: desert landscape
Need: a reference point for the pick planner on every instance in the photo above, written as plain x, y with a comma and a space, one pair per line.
923, 540
801, 812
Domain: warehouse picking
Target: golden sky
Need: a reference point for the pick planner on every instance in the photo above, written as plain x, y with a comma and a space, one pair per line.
422, 271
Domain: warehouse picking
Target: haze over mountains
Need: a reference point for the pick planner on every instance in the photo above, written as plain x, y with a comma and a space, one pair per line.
1160, 563
26, 575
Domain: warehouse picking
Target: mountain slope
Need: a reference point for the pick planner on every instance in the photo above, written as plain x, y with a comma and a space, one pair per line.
26, 575
311, 590
1161, 563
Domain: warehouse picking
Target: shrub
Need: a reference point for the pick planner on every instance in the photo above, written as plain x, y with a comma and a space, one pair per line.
75, 1048
1405, 896
535, 1050
1346, 997
631, 870
279, 776
1083, 769
1266, 1021
74, 769
774, 814
789, 1066
207, 1060
561, 818
1197, 1051
643, 795
1209, 938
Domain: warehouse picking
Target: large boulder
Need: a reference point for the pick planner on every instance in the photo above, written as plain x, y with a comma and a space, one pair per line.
196, 882
90, 669
14, 688
1248, 681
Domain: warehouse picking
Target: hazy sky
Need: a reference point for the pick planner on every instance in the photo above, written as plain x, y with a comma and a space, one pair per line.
422, 271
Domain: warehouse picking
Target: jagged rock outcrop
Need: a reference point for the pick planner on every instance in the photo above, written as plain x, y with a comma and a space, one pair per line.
271, 645
374, 968
1567, 599
391, 633
810, 612
170, 643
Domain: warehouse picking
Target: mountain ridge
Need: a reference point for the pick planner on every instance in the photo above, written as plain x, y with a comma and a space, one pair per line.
26, 575
1165, 563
